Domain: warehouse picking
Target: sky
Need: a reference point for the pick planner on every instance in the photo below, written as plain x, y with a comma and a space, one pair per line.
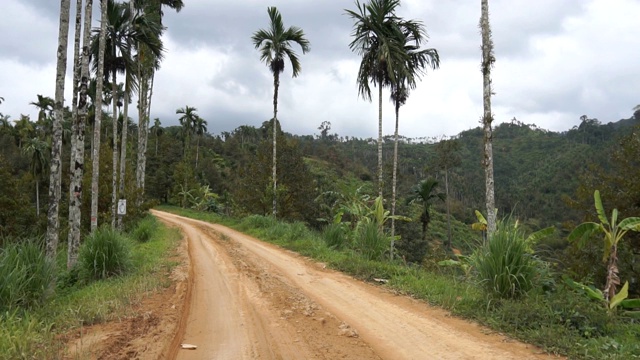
555, 61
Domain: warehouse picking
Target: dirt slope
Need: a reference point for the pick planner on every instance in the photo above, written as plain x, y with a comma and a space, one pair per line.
252, 300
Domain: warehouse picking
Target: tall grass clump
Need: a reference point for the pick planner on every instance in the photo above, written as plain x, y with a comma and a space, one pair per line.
370, 241
259, 222
335, 236
25, 275
145, 229
505, 266
105, 253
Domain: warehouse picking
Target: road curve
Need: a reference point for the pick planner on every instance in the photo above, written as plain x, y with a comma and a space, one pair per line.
253, 300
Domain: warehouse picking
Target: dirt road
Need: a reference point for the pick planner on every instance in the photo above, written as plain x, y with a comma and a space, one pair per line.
252, 300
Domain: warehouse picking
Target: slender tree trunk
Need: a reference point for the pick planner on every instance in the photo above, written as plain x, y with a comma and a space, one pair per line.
77, 169
37, 198
380, 138
488, 60
276, 85
53, 221
197, 150
446, 191
123, 145
394, 181
96, 127
143, 129
114, 177
77, 67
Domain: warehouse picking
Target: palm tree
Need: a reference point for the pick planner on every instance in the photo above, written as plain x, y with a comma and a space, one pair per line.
36, 149
187, 120
98, 116
148, 63
55, 171
157, 131
425, 193
379, 38
23, 129
414, 67
200, 128
275, 46
488, 59
78, 129
45, 106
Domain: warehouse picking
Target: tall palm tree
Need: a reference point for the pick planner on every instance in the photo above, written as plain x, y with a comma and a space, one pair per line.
425, 193
45, 106
379, 38
275, 46
200, 128
78, 129
98, 114
156, 129
55, 171
187, 120
488, 59
414, 67
36, 149
148, 63
23, 129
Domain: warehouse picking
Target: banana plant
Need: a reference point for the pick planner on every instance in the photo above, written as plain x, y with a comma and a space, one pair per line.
613, 232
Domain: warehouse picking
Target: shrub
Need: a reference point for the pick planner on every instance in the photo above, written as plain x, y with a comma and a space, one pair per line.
105, 253
334, 236
371, 242
25, 274
145, 229
505, 266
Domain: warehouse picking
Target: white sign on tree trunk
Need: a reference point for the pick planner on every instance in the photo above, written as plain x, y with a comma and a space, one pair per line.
122, 207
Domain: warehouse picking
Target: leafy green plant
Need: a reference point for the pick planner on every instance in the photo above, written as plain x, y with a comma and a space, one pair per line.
618, 300
105, 253
613, 232
370, 241
25, 274
145, 229
335, 235
505, 264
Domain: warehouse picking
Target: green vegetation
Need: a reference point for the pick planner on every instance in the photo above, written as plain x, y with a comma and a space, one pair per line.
30, 331
104, 254
25, 274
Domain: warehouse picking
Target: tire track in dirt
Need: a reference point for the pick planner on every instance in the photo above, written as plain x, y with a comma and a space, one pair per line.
252, 300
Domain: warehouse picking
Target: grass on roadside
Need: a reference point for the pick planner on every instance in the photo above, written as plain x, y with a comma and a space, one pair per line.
36, 333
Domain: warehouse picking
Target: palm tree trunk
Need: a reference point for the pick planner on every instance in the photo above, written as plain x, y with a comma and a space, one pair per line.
96, 127
612, 274
37, 198
394, 181
77, 169
114, 177
487, 62
276, 85
77, 67
53, 221
380, 138
197, 150
123, 144
446, 191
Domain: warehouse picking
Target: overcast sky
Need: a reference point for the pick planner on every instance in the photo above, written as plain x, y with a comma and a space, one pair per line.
556, 60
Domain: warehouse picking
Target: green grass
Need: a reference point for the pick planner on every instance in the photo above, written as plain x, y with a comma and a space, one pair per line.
552, 317
35, 333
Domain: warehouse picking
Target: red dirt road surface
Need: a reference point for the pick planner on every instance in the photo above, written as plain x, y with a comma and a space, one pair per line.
247, 299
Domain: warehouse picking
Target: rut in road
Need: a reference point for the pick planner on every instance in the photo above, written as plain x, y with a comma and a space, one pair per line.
253, 300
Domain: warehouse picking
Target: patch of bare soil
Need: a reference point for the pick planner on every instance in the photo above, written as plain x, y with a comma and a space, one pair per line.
246, 299
148, 333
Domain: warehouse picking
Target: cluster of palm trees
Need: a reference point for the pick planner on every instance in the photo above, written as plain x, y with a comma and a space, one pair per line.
392, 56
192, 124
128, 42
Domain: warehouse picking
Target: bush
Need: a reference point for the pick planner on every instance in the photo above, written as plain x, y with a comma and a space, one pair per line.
505, 266
145, 229
105, 253
25, 274
334, 236
371, 242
